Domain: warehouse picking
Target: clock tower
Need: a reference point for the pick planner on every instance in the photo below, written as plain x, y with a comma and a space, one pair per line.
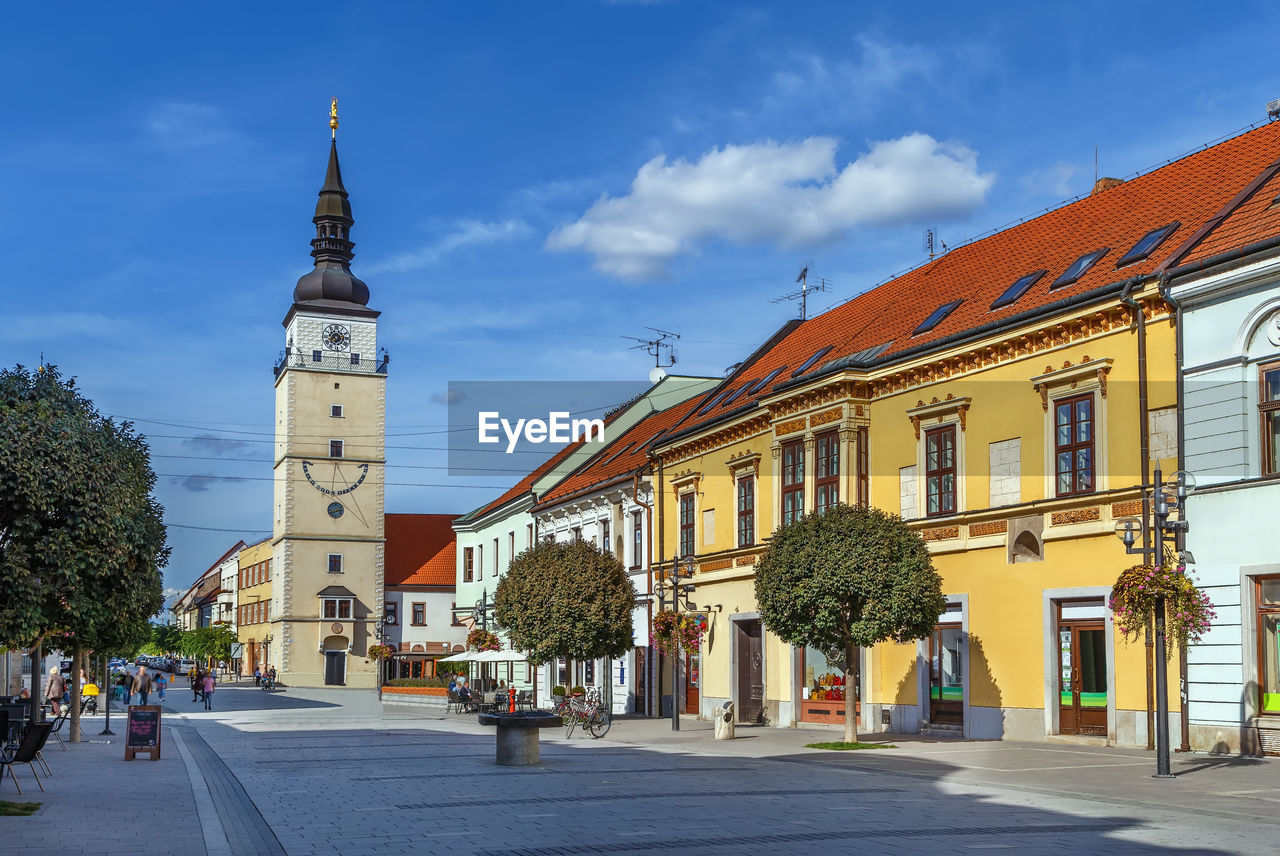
330, 458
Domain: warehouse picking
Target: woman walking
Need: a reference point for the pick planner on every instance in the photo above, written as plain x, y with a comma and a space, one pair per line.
53, 692
208, 687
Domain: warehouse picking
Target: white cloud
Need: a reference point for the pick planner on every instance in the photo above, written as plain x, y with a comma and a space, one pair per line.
789, 194
464, 233
1055, 179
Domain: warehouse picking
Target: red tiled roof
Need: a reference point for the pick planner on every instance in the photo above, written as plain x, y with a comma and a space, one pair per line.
1192, 191
607, 466
421, 549
526, 484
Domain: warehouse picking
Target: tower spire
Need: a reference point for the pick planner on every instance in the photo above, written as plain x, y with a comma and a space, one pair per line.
332, 247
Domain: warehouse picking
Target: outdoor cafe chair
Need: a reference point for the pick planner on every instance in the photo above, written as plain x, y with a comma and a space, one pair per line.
27, 752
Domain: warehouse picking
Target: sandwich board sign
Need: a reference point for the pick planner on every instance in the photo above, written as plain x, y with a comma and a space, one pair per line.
142, 731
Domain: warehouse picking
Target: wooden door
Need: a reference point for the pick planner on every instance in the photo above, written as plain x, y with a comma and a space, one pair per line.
1082, 678
335, 668
946, 675
692, 679
641, 677
750, 666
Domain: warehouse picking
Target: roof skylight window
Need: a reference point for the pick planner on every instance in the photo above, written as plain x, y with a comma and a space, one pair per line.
713, 402
1078, 268
1147, 244
936, 317
737, 394
767, 379
1020, 287
617, 454
808, 364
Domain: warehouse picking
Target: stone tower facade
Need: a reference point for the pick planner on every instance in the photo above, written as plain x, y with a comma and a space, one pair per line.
330, 456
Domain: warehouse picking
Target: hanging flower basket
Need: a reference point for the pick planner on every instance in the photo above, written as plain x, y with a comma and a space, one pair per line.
676, 630
380, 652
483, 640
1188, 611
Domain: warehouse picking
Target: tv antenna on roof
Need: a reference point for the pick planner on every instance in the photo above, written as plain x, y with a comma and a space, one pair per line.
933, 245
808, 282
658, 347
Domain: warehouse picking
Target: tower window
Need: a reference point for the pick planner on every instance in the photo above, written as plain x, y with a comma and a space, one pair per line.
335, 563
355, 359
335, 410
315, 356
335, 448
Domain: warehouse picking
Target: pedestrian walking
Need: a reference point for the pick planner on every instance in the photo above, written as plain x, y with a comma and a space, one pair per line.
142, 684
54, 689
126, 687
197, 680
257, 675
209, 685
161, 683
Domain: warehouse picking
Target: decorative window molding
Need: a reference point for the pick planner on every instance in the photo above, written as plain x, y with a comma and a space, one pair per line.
1086, 375
738, 466
948, 409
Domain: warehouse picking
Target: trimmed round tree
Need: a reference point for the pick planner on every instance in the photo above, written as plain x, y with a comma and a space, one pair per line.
569, 600
847, 579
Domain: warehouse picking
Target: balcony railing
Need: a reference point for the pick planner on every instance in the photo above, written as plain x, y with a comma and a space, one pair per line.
332, 361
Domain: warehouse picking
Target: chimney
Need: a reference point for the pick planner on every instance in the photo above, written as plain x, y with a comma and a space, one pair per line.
1105, 184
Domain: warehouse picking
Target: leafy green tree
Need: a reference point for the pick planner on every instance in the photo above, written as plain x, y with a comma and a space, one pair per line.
82, 541
849, 578
569, 600
209, 643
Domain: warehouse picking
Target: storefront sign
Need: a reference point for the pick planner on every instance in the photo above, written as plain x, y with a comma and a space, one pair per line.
142, 731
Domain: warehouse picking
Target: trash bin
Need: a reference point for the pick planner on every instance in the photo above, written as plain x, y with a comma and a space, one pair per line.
724, 721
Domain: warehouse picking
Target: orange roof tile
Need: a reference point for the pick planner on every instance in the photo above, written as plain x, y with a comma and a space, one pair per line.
622, 457
1192, 190
421, 550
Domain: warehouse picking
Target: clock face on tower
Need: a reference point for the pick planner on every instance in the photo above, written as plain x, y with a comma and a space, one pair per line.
336, 337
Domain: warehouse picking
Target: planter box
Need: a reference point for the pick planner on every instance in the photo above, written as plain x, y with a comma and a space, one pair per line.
433, 697
443, 692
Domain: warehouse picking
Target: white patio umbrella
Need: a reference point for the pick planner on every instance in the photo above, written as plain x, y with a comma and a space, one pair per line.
499, 657
464, 657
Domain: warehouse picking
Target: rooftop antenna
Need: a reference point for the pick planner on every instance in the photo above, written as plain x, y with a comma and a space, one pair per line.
660, 348
808, 282
933, 245
1273, 109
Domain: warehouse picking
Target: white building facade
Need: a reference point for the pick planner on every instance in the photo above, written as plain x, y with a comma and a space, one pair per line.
1229, 330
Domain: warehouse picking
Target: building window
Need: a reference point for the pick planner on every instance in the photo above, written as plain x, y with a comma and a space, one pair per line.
495, 557
940, 470
315, 356
355, 359
468, 564
746, 511
686, 524
637, 541
335, 448
1269, 407
335, 563
419, 614
589, 673
1073, 444
479, 561
792, 482
864, 468
511, 546
826, 476
528, 535
604, 537
1267, 597
575, 534
335, 410
339, 608
391, 613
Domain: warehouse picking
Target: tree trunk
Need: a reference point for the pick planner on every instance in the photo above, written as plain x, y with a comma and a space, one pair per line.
850, 693
76, 660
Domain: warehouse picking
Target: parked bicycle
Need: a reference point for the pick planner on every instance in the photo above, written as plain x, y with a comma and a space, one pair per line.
589, 712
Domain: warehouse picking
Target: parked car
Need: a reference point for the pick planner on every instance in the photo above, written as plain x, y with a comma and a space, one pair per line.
184, 666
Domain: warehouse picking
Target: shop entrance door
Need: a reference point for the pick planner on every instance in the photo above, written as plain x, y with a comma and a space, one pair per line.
750, 675
641, 677
692, 678
335, 668
1082, 678
946, 675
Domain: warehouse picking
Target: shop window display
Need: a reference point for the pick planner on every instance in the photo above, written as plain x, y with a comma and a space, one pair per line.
822, 694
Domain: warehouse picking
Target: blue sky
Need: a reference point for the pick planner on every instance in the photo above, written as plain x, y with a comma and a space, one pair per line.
531, 182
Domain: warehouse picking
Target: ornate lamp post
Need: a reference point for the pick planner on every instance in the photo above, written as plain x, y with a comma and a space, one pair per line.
380, 632
1167, 497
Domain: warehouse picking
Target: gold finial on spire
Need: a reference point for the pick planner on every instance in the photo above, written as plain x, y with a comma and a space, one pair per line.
333, 117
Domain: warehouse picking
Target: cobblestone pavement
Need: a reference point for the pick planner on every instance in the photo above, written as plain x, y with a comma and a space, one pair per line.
329, 772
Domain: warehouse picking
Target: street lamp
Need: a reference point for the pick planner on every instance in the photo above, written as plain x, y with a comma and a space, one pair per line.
1166, 497
679, 591
379, 631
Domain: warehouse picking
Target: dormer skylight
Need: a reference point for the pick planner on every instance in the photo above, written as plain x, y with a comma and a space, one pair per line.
808, 364
1078, 268
767, 379
713, 402
617, 454
1020, 287
935, 318
1147, 244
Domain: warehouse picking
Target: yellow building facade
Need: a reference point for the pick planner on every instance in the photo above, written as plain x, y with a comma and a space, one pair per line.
1010, 400
253, 621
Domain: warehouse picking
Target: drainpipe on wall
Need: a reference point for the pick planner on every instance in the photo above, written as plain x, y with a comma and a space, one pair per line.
1165, 292
648, 582
1144, 444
